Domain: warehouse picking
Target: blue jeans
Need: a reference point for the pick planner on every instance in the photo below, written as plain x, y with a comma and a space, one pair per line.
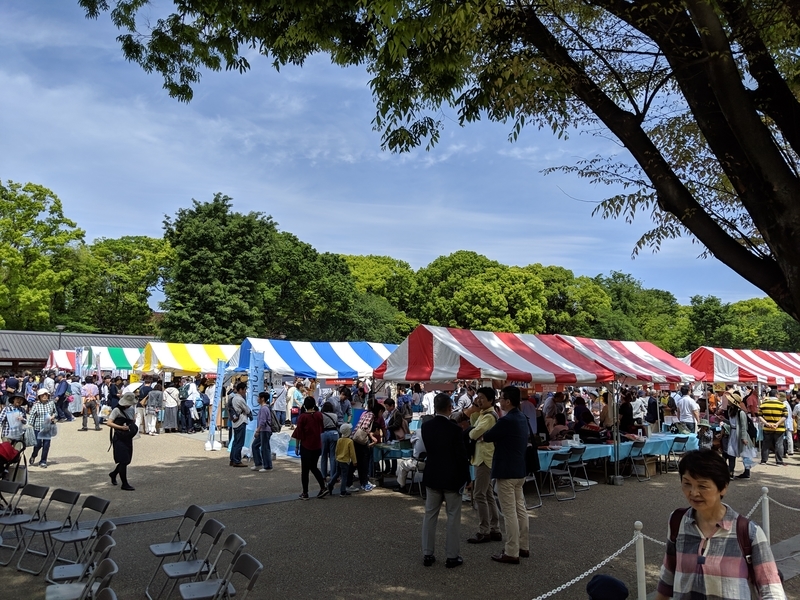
43, 445
343, 469
238, 443
281, 416
262, 453
329, 439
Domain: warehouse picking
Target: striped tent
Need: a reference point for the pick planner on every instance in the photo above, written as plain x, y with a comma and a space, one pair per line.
724, 365
441, 354
109, 358
635, 361
61, 359
182, 359
323, 360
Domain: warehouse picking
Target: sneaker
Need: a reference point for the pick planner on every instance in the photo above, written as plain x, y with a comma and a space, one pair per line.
303, 496
255, 467
43, 465
260, 470
343, 494
353, 488
323, 492
369, 487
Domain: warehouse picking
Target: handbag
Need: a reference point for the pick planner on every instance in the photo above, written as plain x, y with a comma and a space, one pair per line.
360, 436
29, 436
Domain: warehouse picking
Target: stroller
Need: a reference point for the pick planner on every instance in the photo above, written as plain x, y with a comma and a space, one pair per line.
14, 462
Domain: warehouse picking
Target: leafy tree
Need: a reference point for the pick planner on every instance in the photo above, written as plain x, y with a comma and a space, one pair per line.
700, 94
36, 240
111, 285
384, 276
217, 283
572, 303
708, 314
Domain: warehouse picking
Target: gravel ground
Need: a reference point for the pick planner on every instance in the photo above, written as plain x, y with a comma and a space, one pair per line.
368, 545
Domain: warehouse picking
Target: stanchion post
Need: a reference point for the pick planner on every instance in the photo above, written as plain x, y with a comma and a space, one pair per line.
641, 584
765, 512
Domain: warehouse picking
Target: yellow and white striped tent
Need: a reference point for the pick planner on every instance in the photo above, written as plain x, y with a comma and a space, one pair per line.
182, 359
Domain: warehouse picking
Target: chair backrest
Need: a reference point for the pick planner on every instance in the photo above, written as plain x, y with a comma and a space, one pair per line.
637, 449
233, 545
105, 594
92, 504
679, 443
106, 528
36, 492
9, 489
102, 575
559, 459
61, 496
214, 530
103, 548
247, 566
193, 514
576, 454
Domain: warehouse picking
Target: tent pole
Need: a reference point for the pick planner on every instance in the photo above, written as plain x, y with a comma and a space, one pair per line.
617, 478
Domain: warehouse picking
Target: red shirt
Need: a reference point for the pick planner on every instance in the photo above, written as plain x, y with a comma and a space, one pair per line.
309, 430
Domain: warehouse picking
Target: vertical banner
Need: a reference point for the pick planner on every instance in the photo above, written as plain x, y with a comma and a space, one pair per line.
79, 362
216, 401
255, 385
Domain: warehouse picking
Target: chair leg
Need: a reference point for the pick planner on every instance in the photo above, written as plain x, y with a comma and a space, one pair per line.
536, 485
19, 533
152, 578
572, 487
26, 549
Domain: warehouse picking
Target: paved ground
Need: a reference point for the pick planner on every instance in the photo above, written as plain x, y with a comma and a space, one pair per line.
368, 545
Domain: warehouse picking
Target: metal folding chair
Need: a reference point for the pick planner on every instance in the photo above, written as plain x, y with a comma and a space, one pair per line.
99, 580
637, 455
105, 594
8, 495
175, 571
217, 589
17, 516
76, 572
559, 467
77, 535
676, 450
575, 464
46, 527
176, 546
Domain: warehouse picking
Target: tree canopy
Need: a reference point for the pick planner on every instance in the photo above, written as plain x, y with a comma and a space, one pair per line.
701, 94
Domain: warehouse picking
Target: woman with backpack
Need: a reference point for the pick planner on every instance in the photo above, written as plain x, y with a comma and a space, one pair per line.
123, 430
709, 543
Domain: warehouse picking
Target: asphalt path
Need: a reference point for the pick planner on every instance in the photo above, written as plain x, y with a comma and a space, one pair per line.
368, 545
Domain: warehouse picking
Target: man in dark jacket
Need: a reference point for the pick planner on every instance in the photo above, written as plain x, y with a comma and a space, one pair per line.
510, 438
446, 472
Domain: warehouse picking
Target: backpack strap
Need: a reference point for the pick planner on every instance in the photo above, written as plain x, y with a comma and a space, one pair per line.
743, 536
675, 524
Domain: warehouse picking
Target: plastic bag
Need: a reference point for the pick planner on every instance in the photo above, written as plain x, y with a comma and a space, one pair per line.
105, 411
279, 443
29, 437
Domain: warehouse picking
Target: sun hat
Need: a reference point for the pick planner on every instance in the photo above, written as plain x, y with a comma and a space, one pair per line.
736, 398
127, 399
345, 429
42, 392
704, 423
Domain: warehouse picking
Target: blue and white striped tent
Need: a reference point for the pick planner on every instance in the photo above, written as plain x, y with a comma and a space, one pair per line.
323, 360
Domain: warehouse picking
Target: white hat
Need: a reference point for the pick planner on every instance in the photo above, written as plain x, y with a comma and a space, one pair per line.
42, 391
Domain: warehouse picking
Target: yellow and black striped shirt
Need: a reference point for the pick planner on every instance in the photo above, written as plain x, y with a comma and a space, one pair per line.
772, 410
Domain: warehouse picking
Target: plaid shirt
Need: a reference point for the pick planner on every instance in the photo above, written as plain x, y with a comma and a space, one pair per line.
5, 422
719, 571
39, 412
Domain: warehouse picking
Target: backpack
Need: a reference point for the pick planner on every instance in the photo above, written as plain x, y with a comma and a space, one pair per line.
233, 415
751, 430
273, 422
742, 535
183, 391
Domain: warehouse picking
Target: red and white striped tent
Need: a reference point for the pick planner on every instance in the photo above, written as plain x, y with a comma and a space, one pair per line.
724, 365
440, 354
61, 359
635, 361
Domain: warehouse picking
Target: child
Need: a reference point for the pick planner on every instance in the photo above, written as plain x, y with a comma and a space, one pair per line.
704, 435
345, 456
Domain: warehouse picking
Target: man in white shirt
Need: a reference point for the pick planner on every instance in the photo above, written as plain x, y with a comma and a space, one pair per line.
406, 465
688, 409
427, 403
639, 407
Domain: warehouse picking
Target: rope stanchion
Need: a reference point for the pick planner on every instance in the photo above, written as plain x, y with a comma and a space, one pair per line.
765, 513
561, 588
659, 542
755, 506
641, 581
773, 501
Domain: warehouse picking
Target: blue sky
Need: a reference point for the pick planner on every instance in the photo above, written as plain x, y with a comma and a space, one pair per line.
298, 145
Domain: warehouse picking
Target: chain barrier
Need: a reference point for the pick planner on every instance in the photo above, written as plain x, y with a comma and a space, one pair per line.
561, 588
773, 501
659, 542
752, 510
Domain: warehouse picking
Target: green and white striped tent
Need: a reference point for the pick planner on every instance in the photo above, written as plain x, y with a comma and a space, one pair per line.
107, 358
